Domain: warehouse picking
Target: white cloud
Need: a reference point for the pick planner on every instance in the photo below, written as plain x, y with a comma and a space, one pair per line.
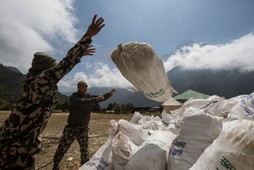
238, 54
102, 77
28, 26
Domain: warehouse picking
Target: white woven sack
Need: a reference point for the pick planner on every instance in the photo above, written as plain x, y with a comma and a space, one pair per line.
139, 64
161, 138
136, 117
244, 109
233, 149
226, 105
122, 150
135, 132
102, 159
197, 131
149, 157
191, 103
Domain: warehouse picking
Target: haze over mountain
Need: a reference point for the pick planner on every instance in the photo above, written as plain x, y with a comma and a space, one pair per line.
222, 82
11, 83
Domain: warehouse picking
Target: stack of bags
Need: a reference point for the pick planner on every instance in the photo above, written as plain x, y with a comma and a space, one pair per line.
213, 133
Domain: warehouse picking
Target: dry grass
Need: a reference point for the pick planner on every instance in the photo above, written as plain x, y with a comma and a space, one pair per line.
98, 133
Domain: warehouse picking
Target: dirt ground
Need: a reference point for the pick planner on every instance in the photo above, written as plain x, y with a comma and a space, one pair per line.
98, 134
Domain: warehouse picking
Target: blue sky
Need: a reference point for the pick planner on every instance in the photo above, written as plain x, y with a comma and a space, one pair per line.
226, 26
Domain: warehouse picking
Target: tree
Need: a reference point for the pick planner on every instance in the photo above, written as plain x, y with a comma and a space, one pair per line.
66, 106
110, 106
117, 109
120, 109
1, 102
128, 107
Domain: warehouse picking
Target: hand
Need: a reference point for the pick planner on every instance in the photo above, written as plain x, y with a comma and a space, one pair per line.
113, 91
89, 50
95, 26
98, 98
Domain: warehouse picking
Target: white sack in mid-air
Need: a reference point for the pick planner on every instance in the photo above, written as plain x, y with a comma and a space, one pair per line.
139, 64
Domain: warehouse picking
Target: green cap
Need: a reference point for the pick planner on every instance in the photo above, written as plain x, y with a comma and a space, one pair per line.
81, 83
42, 61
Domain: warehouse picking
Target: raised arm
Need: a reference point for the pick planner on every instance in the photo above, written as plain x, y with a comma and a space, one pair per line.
80, 49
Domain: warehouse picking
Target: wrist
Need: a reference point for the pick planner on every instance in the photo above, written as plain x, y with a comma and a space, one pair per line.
88, 35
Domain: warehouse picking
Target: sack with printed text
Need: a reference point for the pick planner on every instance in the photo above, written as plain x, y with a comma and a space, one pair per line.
233, 149
197, 131
139, 64
244, 109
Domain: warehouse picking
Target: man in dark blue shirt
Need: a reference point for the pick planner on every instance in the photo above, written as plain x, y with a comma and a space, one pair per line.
81, 103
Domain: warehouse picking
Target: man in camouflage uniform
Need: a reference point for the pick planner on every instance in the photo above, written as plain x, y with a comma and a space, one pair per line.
19, 134
81, 103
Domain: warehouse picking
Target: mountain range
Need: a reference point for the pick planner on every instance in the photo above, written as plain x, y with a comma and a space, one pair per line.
222, 83
11, 83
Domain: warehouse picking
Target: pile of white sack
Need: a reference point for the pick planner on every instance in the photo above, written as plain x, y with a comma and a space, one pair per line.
204, 134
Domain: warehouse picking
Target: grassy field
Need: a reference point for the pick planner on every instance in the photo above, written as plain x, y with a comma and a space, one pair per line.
98, 134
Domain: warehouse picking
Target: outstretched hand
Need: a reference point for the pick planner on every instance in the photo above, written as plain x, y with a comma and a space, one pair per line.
95, 26
98, 98
89, 50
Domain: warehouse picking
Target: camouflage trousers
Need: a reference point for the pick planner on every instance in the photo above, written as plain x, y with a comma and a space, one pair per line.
17, 153
70, 133
17, 162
